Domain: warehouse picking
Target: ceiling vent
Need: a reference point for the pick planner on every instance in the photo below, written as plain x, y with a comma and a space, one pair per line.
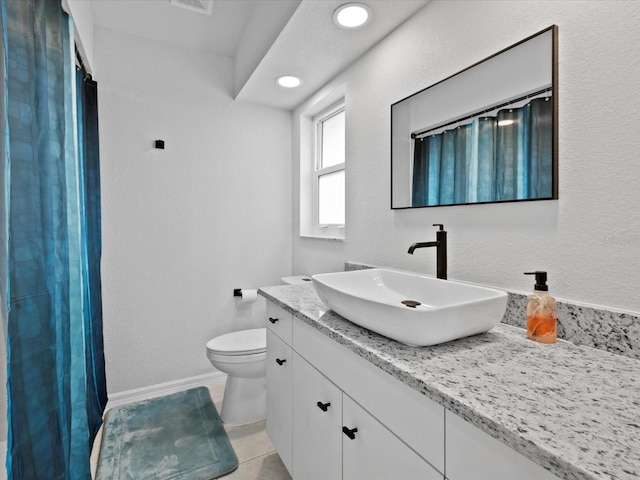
200, 6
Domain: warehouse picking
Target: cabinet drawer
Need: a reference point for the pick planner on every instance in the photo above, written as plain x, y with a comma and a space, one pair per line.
279, 322
409, 414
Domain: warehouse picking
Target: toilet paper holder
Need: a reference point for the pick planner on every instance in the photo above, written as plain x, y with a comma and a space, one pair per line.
246, 296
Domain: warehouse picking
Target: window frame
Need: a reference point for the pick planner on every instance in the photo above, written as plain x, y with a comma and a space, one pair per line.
317, 172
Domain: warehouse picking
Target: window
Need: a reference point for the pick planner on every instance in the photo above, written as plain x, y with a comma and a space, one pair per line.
329, 161
320, 144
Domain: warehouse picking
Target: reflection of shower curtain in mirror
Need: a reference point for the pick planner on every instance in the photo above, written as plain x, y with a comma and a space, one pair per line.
506, 157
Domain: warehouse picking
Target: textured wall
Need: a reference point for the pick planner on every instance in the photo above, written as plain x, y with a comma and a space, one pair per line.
82, 14
184, 226
588, 240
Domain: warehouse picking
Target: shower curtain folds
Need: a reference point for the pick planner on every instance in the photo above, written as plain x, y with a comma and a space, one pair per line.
494, 158
50, 253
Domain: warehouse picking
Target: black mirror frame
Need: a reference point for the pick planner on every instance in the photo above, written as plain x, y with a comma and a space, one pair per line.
554, 124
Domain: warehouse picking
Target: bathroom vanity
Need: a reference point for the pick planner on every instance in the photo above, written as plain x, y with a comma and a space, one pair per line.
344, 402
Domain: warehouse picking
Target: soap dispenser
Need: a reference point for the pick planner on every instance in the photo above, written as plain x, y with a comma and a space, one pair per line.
542, 318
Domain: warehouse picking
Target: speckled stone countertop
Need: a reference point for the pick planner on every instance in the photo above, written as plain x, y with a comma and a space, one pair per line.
574, 410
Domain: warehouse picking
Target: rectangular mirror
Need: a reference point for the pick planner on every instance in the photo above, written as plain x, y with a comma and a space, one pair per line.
485, 134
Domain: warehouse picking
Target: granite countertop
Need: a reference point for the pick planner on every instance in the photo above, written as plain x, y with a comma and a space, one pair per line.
574, 410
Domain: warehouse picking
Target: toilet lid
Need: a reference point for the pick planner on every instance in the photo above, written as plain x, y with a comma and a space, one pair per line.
242, 342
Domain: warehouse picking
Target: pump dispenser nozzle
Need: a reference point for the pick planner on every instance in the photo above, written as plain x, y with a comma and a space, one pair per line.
541, 280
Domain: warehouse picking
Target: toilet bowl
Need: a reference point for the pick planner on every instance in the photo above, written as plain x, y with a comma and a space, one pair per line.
242, 355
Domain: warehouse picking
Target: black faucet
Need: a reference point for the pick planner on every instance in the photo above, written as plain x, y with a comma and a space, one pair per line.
441, 250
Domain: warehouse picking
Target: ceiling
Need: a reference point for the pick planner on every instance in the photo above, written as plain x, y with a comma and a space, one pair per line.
266, 38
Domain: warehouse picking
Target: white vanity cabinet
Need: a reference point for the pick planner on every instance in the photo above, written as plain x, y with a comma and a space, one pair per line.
324, 394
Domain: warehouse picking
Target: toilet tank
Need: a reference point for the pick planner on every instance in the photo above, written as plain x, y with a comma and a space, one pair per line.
296, 280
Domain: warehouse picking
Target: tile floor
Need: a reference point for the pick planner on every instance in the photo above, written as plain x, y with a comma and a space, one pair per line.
257, 458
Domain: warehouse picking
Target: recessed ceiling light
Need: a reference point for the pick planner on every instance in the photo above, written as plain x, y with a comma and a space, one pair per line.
352, 15
288, 81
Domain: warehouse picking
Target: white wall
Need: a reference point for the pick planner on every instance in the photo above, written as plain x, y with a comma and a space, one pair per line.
82, 14
589, 239
184, 226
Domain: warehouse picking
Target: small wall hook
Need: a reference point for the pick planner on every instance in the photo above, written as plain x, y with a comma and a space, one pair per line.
159, 144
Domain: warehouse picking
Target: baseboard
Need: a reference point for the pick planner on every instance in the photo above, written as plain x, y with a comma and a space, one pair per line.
144, 393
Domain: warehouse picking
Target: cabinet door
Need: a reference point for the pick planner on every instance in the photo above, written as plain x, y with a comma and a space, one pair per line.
471, 453
279, 377
374, 452
317, 424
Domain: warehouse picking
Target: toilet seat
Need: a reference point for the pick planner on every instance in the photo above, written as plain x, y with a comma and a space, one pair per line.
242, 342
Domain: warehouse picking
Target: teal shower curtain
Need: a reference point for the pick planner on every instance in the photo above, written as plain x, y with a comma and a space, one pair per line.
501, 158
50, 246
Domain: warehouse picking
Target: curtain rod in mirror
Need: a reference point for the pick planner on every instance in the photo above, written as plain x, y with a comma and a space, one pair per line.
491, 109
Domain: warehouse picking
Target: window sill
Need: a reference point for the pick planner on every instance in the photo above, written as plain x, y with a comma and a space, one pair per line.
323, 237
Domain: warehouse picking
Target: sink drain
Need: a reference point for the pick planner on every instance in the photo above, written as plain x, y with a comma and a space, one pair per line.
410, 303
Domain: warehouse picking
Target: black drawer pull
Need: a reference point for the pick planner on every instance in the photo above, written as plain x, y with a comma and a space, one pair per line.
324, 406
279, 361
273, 320
350, 432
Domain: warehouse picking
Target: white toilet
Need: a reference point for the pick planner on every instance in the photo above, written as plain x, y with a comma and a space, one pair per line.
242, 355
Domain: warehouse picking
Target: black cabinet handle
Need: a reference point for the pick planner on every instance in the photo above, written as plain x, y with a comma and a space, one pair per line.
273, 320
280, 361
324, 406
350, 432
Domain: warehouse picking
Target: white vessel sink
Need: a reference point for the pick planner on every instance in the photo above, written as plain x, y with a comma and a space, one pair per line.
446, 310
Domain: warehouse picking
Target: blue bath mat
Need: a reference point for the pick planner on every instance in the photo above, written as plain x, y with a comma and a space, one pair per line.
177, 437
